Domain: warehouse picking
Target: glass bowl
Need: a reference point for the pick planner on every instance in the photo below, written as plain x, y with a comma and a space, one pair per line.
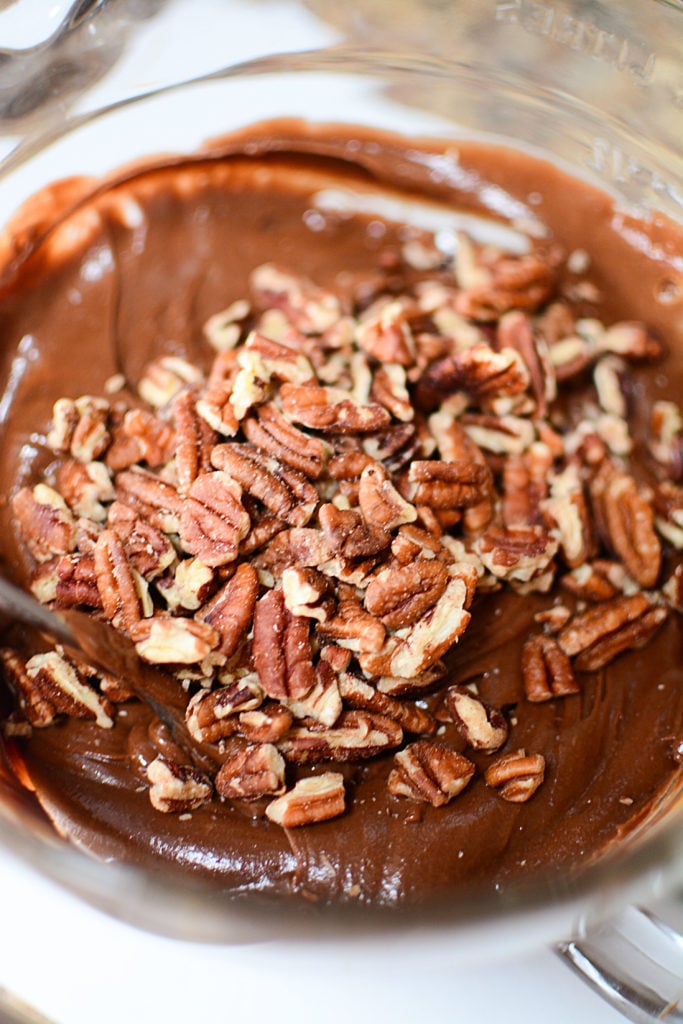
582, 85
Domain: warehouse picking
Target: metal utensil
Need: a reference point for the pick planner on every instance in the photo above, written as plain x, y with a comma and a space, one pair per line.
103, 647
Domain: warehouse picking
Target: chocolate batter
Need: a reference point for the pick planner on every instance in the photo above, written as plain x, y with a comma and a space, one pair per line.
98, 278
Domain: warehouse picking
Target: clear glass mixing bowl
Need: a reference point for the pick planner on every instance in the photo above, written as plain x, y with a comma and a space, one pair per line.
595, 87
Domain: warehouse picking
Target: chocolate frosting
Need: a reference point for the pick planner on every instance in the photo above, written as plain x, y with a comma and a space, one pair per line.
98, 278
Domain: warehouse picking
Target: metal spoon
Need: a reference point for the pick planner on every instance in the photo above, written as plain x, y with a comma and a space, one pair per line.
103, 647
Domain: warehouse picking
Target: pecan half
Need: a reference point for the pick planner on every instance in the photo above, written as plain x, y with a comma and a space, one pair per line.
45, 522
250, 771
213, 519
445, 485
283, 490
399, 596
84, 486
627, 518
482, 726
479, 370
231, 609
116, 582
177, 788
331, 410
38, 709
310, 308
266, 724
323, 701
597, 636
546, 670
317, 798
359, 694
349, 535
272, 433
148, 549
355, 735
352, 627
516, 776
154, 499
282, 648
194, 440
519, 554
429, 771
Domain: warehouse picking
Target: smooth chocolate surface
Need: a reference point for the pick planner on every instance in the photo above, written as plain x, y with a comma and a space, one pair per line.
135, 271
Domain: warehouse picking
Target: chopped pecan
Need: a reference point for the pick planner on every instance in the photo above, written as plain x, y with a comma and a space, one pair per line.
213, 519
194, 440
323, 701
400, 686
410, 652
38, 709
429, 771
64, 420
568, 510
673, 589
445, 485
597, 636
502, 435
380, 502
311, 309
59, 682
515, 330
331, 410
519, 554
116, 583
668, 504
525, 485
213, 401
546, 670
352, 627
268, 430
177, 788
359, 694
396, 446
147, 548
389, 388
349, 535
210, 714
45, 522
90, 436
231, 609
401, 595
666, 438
300, 546
222, 330
283, 490
307, 592
141, 437
355, 735
250, 771
266, 724
167, 640
154, 499
188, 586
76, 582
479, 370
591, 582
516, 776
282, 649
84, 486
493, 283
632, 340
386, 334
164, 377
482, 726
317, 798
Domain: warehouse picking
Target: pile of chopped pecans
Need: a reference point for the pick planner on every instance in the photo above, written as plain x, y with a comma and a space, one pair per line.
299, 535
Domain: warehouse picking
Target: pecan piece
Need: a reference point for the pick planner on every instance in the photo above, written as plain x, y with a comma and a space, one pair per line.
568, 509
154, 499
84, 486
210, 713
90, 436
627, 520
177, 788
355, 735
349, 535
311, 309
164, 377
399, 596
307, 592
273, 434
429, 771
380, 502
250, 771
323, 701
231, 609
482, 726
515, 331
45, 523
38, 709
213, 519
445, 485
519, 554
352, 627
317, 798
516, 776
166, 640
76, 582
266, 724
546, 670
300, 546
60, 683
390, 390
147, 548
478, 370
282, 649
116, 582
595, 637
359, 694
386, 335
283, 490
331, 410
668, 505
194, 440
